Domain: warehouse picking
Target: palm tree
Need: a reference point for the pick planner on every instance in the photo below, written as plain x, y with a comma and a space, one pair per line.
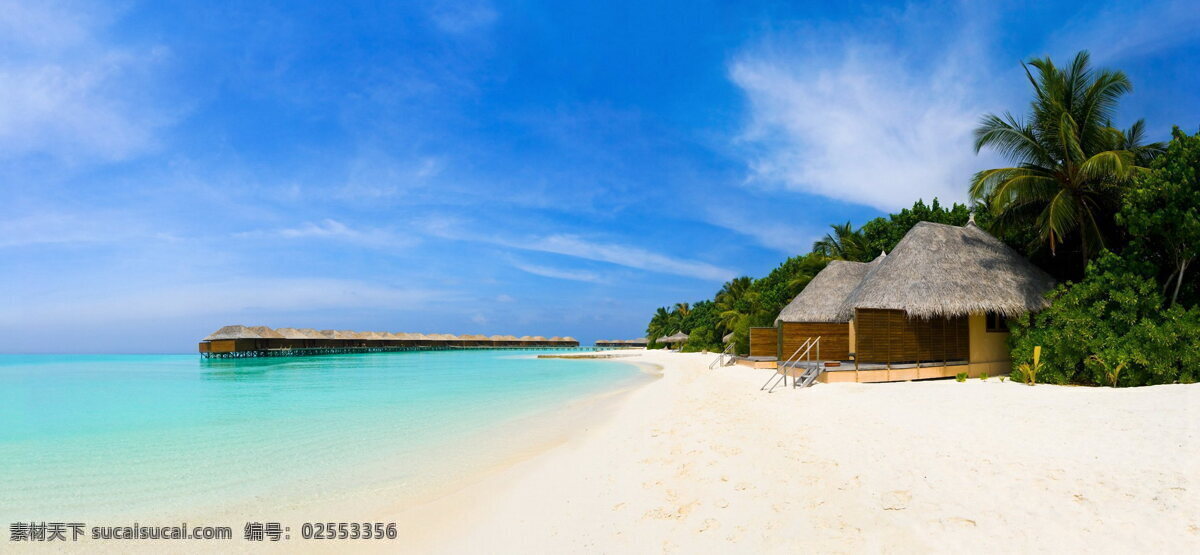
845, 243
659, 324
730, 300
1069, 162
682, 309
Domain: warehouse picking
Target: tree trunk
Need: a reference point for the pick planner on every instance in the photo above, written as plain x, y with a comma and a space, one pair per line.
1179, 279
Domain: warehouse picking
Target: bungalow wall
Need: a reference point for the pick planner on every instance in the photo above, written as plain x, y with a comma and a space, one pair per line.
890, 336
764, 342
989, 349
835, 339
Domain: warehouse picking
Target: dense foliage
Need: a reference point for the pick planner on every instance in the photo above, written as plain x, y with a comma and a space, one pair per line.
1162, 214
1111, 329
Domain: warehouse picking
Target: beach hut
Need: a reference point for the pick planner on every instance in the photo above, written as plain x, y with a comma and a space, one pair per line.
816, 313
230, 339
525, 341
639, 342
674, 340
569, 341
540, 341
938, 304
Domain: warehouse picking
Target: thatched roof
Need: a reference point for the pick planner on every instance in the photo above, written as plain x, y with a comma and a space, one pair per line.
940, 270
233, 332
292, 333
823, 296
312, 334
679, 337
266, 333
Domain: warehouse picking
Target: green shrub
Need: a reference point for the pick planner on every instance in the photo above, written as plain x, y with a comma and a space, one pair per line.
1116, 315
983, 376
960, 377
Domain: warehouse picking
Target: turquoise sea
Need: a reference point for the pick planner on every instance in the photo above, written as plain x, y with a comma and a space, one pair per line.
161, 436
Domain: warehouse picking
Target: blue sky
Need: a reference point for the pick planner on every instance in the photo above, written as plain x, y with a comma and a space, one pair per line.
476, 167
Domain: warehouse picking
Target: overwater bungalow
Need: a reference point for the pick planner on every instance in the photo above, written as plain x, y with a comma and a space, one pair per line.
296, 338
934, 307
255, 341
232, 338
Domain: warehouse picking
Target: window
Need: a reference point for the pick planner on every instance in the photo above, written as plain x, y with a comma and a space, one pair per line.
996, 323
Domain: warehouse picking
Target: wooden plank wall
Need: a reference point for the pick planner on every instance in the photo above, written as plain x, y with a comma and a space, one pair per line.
835, 338
763, 342
890, 336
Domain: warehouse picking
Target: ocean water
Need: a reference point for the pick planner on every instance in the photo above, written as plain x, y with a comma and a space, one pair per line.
172, 435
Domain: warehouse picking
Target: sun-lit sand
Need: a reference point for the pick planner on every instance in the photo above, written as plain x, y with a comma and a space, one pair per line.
702, 461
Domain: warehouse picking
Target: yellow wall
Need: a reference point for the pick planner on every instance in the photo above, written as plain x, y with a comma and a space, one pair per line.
989, 350
853, 336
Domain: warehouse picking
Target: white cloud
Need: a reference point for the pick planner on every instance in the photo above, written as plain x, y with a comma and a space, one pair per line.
575, 246
557, 273
463, 16
1137, 29
66, 92
330, 229
850, 116
225, 298
771, 233
44, 226
622, 255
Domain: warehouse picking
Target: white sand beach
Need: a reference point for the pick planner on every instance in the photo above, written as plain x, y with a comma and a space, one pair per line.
702, 461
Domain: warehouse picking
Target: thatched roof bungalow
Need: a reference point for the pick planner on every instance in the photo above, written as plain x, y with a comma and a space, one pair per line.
232, 338
939, 271
937, 306
814, 313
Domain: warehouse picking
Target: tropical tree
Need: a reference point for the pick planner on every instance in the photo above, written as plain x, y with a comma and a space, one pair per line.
732, 302
1069, 162
845, 243
1162, 212
659, 324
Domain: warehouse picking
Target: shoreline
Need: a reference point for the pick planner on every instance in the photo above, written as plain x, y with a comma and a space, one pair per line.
701, 461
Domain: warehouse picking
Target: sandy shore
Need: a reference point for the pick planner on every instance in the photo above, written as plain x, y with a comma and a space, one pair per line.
702, 461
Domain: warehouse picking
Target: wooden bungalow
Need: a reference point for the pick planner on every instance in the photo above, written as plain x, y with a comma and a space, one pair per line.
815, 313
569, 341
229, 339
936, 306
